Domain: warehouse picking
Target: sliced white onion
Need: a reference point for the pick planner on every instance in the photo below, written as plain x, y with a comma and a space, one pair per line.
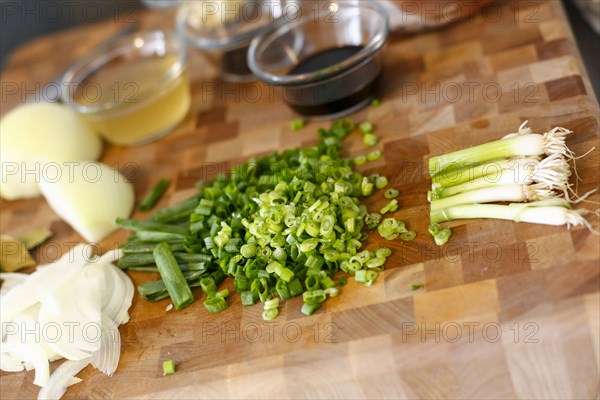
10, 280
45, 281
123, 314
62, 378
115, 293
72, 294
9, 364
33, 354
85, 313
107, 357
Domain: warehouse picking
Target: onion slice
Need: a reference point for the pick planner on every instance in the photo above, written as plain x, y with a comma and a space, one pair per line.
62, 378
31, 353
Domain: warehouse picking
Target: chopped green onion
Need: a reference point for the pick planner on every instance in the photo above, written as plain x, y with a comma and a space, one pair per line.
391, 193
208, 286
408, 236
375, 102
248, 250
247, 298
366, 127
416, 287
309, 309
297, 124
342, 281
374, 155
370, 140
381, 182
392, 206
154, 195
442, 236
383, 252
168, 367
360, 160
215, 304
360, 276
173, 278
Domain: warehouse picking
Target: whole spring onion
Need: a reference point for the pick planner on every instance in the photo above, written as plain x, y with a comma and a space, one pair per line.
519, 145
552, 173
510, 193
469, 172
464, 181
551, 212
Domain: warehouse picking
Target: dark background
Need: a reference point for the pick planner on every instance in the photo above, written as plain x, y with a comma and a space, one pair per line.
23, 20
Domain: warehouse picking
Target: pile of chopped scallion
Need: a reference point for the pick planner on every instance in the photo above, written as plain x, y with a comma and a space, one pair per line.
281, 226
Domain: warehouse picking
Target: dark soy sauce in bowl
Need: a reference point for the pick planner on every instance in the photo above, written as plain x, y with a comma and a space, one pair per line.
352, 91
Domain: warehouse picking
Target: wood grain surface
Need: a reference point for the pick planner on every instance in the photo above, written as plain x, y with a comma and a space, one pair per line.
506, 310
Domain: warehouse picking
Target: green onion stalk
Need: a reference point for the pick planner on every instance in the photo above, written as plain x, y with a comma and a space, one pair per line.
517, 145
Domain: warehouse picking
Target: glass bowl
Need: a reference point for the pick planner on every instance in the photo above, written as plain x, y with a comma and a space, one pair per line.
223, 30
160, 4
329, 64
132, 90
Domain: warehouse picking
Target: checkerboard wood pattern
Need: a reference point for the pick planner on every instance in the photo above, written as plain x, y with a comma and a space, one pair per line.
505, 310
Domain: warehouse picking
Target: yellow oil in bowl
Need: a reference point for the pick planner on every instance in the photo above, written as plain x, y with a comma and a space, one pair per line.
135, 93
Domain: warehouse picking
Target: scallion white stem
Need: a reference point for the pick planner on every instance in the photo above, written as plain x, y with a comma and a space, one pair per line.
469, 172
511, 193
548, 215
551, 173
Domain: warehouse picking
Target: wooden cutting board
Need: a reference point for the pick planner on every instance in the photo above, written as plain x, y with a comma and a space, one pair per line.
506, 310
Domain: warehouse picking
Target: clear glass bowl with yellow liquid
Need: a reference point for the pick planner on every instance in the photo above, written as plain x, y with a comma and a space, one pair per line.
133, 90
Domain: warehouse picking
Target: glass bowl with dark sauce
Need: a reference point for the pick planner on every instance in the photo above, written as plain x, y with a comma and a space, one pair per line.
328, 62
223, 30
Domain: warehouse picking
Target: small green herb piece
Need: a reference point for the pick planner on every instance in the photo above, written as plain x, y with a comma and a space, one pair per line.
381, 182
168, 367
374, 155
375, 102
360, 160
297, 124
154, 195
342, 281
370, 140
392, 206
391, 193
215, 304
408, 236
442, 236
366, 127
416, 287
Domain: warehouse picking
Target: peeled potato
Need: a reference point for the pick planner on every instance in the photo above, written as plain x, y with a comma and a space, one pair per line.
34, 135
89, 196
